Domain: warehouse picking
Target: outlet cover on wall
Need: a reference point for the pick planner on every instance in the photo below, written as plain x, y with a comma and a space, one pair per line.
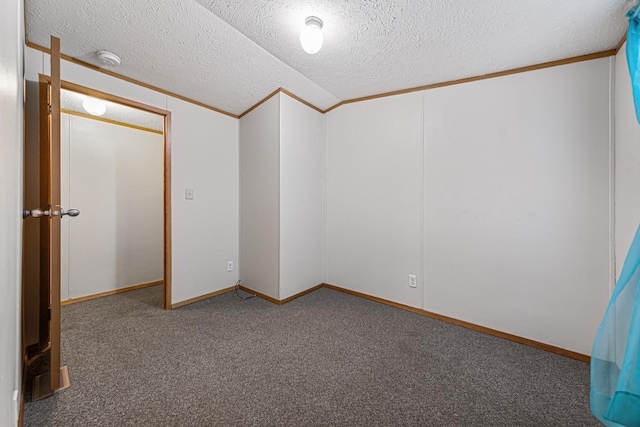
413, 281
188, 193
229, 265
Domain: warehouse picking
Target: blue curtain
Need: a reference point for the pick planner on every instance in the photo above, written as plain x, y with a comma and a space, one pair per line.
633, 51
615, 362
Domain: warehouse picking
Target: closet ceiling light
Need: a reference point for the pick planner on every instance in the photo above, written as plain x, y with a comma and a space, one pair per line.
311, 36
94, 106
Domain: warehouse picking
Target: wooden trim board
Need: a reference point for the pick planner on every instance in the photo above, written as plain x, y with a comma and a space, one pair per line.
109, 293
167, 239
130, 80
297, 98
572, 60
301, 294
566, 61
268, 97
261, 295
624, 39
504, 335
202, 297
166, 167
114, 122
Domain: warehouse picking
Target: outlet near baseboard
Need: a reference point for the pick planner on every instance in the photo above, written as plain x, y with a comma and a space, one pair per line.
413, 281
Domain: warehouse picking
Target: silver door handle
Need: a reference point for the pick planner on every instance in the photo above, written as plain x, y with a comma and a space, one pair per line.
70, 212
37, 213
34, 213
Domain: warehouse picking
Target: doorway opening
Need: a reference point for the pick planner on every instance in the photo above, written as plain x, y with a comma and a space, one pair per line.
115, 169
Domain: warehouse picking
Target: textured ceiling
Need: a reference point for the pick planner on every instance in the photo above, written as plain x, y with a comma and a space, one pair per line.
176, 45
374, 46
72, 101
230, 54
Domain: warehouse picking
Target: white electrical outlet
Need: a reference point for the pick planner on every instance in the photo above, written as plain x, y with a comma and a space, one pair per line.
188, 193
229, 265
413, 281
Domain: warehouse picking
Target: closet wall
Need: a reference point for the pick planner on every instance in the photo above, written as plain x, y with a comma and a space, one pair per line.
281, 198
114, 175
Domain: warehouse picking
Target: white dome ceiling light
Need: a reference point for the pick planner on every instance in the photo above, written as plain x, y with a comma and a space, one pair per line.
108, 58
311, 36
94, 106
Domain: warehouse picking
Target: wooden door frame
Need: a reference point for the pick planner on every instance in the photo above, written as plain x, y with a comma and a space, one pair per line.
167, 168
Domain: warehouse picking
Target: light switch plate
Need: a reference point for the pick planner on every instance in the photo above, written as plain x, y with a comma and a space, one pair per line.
188, 193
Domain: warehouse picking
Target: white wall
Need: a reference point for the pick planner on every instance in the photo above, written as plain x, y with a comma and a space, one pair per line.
204, 157
517, 203
300, 197
205, 229
501, 208
11, 137
117, 183
627, 181
260, 198
374, 192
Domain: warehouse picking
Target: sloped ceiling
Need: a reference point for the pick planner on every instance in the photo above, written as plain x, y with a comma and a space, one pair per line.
230, 54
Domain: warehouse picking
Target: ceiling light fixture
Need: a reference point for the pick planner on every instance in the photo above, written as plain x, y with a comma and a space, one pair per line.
108, 58
94, 106
311, 36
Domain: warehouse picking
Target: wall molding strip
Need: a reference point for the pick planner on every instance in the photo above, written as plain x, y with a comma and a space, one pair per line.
130, 80
504, 335
297, 98
113, 292
202, 297
259, 103
624, 39
260, 295
566, 61
115, 122
581, 58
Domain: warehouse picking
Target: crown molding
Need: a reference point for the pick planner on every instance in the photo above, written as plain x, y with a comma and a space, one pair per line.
130, 80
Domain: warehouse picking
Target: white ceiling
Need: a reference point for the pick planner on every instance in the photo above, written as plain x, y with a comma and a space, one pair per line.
231, 54
72, 101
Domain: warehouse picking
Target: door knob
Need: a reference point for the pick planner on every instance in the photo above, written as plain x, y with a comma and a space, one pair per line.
35, 213
70, 212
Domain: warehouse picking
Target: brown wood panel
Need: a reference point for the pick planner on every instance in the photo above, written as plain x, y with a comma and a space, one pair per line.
113, 122
130, 80
202, 297
168, 244
113, 292
468, 325
55, 206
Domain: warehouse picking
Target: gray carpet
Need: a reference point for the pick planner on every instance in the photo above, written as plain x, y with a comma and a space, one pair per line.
324, 359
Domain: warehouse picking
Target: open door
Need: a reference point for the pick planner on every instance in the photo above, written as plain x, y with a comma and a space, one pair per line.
41, 243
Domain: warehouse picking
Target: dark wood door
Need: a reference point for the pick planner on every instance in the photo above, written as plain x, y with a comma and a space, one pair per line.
43, 212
